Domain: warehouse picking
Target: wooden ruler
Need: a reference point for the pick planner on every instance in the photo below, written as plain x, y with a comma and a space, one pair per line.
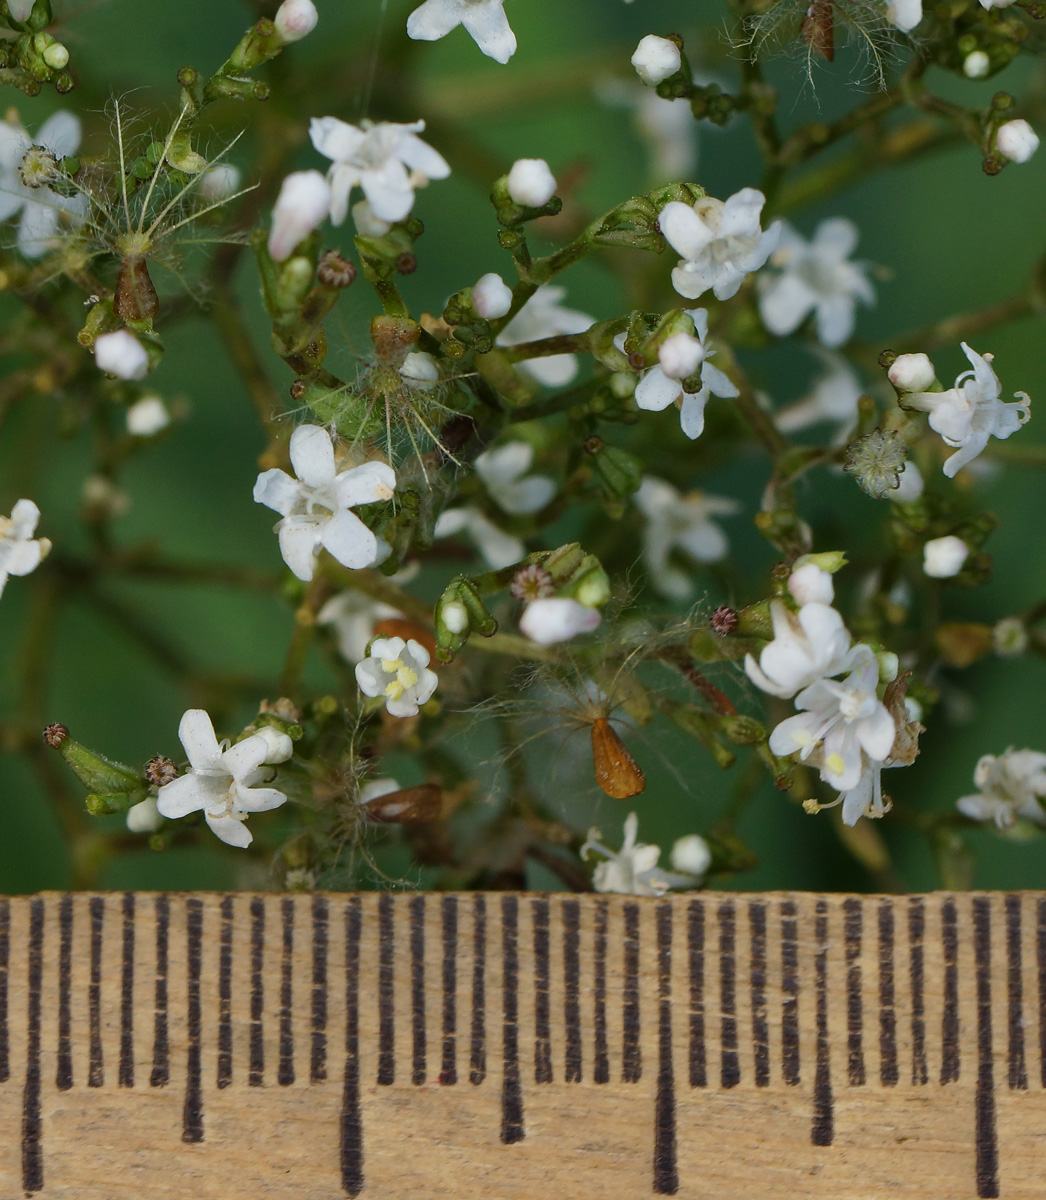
161, 1047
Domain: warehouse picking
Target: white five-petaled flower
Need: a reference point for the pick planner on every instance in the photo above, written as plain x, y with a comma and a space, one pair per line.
41, 208
223, 780
386, 160
967, 415
719, 241
633, 870
1010, 788
807, 646
905, 14
499, 549
398, 671
675, 521
20, 552
832, 398
503, 472
550, 620
316, 507
818, 277
304, 203
842, 720
680, 356
543, 316
483, 20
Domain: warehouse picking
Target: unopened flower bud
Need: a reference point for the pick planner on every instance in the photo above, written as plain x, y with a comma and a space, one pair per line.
144, 817
1017, 141
147, 417
218, 183
594, 589
280, 745
680, 355
56, 56
121, 354
455, 616
912, 373
335, 271
943, 557
655, 59
491, 297
810, 585
303, 203
55, 735
367, 224
909, 484
160, 770
889, 665
530, 182
691, 855
294, 19
20, 9
1010, 637
976, 65
557, 619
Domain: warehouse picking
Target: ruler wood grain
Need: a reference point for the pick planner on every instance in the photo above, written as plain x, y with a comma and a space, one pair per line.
165, 1046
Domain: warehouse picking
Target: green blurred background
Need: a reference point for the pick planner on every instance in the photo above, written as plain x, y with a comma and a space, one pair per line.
949, 239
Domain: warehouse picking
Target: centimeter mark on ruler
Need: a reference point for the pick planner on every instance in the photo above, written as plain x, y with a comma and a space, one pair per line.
718, 993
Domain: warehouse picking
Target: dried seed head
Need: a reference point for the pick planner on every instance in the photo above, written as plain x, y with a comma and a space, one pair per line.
135, 298
55, 735
335, 271
876, 461
617, 772
723, 620
531, 582
160, 770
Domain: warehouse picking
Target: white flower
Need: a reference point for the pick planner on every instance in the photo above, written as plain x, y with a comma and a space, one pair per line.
807, 646
376, 157
218, 183
147, 417
842, 720
679, 356
222, 780
833, 397
809, 584
530, 182
912, 372
655, 59
943, 557
144, 817
41, 208
499, 549
1017, 141
491, 296
304, 203
503, 473
683, 522
397, 670
542, 316
553, 619
316, 507
20, 552
905, 14
633, 870
720, 242
967, 415
121, 354
483, 20
295, 19
865, 798
353, 617
1010, 787
817, 277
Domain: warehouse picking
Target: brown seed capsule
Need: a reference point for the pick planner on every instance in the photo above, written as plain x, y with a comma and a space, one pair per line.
335, 271
55, 735
617, 772
160, 770
402, 628
409, 806
135, 298
818, 28
723, 620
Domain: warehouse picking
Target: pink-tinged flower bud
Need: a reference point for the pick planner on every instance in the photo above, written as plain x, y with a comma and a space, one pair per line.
294, 19
557, 619
1017, 141
655, 59
491, 297
680, 355
943, 557
530, 182
912, 373
121, 354
303, 203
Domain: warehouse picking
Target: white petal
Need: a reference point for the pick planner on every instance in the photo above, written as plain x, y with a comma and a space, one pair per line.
180, 797
312, 455
553, 371
655, 391
277, 490
388, 190
684, 230
718, 383
245, 757
420, 156
366, 484
231, 830
876, 733
60, 134
334, 139
835, 320
505, 464
528, 495
784, 303
259, 799
299, 541
36, 232
349, 541
692, 413
370, 677
196, 734
741, 213
434, 19
704, 541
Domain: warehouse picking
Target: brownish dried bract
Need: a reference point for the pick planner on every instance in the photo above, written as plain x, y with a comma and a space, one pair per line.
617, 772
135, 298
818, 28
409, 806
905, 747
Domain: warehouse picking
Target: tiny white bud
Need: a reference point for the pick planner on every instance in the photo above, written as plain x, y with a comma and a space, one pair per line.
280, 745
943, 557
56, 56
912, 373
147, 416
557, 619
909, 484
367, 224
810, 585
374, 788
976, 65
1017, 141
303, 203
294, 19
219, 183
121, 354
691, 855
680, 355
656, 58
491, 297
530, 182
1010, 637
144, 817
889, 665
420, 368
455, 616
